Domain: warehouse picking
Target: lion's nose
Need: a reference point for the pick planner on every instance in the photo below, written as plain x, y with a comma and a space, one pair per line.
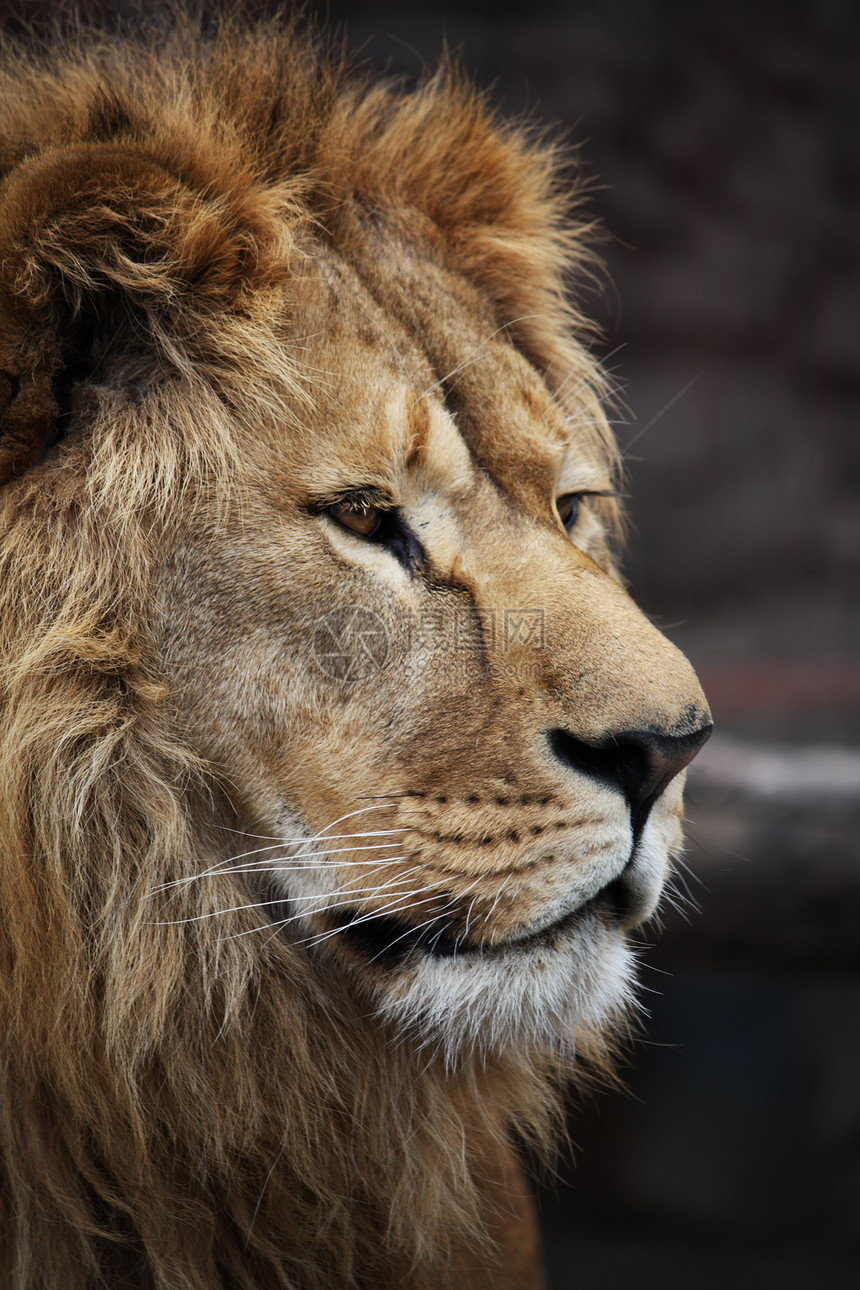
640, 763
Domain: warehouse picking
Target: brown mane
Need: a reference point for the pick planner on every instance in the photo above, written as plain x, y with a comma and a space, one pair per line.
180, 1104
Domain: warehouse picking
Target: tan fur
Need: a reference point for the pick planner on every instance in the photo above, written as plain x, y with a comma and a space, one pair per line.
235, 279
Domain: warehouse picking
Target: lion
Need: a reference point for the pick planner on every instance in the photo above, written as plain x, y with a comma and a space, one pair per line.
337, 765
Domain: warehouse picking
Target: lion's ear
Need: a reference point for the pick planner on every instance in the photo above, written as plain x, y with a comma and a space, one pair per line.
97, 240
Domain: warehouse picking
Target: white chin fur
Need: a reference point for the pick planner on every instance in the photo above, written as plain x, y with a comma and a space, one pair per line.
518, 998
504, 1000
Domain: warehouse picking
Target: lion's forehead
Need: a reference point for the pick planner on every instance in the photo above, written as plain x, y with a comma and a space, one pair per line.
418, 384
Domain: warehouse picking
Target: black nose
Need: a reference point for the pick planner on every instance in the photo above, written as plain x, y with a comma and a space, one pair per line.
638, 762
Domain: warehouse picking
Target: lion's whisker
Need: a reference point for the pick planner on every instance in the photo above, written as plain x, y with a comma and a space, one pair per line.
492, 908
361, 811
261, 867
315, 896
280, 923
281, 841
377, 913
472, 357
586, 380
262, 904
378, 797
678, 884
411, 930
244, 833
468, 922
304, 842
274, 868
656, 417
265, 904
311, 940
435, 917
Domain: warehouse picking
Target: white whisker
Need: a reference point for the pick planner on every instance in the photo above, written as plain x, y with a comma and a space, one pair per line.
656, 417
492, 908
279, 923
278, 839
265, 904
275, 868
411, 931
275, 865
429, 921
376, 913
468, 920
381, 806
472, 357
586, 379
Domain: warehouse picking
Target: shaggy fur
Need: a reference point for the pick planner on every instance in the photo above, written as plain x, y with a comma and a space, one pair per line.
189, 1100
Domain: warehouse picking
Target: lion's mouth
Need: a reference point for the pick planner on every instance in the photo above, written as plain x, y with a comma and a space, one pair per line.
390, 940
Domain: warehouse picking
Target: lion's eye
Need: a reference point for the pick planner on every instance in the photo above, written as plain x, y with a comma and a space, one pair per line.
568, 509
363, 520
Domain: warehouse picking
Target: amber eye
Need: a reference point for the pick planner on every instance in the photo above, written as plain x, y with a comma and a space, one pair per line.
363, 520
568, 509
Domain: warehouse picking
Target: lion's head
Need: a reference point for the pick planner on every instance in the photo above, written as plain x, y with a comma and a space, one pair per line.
331, 739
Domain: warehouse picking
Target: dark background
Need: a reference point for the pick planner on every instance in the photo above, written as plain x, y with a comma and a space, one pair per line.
725, 145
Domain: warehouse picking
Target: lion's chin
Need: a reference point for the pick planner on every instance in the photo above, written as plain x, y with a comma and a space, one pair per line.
558, 991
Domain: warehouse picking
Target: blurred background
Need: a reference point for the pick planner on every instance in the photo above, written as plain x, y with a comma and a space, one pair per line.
724, 143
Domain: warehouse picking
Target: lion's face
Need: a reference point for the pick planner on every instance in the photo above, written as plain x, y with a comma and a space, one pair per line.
329, 737
452, 738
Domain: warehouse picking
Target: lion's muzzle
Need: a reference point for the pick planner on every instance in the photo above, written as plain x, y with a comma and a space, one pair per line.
639, 763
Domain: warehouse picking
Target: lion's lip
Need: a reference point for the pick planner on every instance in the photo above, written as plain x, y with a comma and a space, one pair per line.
548, 934
390, 940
